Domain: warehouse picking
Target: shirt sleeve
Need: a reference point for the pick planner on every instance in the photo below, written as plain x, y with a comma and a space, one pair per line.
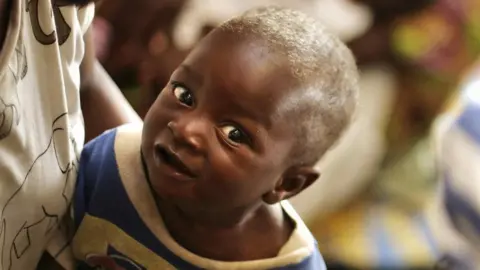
85, 16
93, 160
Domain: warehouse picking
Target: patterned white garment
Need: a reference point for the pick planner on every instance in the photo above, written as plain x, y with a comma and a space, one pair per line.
41, 125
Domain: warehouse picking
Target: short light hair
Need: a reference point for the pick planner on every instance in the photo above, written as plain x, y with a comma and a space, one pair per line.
322, 64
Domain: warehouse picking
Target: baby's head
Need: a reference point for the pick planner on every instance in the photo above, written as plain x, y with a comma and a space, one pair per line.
249, 112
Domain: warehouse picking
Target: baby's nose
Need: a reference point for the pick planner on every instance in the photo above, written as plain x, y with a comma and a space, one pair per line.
189, 132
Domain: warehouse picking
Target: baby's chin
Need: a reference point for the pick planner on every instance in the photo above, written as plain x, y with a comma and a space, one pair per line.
169, 191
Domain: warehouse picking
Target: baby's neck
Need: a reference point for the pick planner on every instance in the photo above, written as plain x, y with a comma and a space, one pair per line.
260, 235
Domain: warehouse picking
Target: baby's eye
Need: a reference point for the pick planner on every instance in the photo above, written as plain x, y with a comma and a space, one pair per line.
234, 134
183, 95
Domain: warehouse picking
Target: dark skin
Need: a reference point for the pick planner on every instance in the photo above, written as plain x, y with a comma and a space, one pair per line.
222, 116
101, 96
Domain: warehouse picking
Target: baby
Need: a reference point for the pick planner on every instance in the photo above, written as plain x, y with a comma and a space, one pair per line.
236, 132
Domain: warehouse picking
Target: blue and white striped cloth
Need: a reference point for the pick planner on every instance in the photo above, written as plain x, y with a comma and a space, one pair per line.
458, 159
382, 234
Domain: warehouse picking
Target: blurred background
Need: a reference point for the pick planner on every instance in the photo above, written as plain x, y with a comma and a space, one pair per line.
375, 204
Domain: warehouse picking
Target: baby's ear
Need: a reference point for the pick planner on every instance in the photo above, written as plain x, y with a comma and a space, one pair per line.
293, 181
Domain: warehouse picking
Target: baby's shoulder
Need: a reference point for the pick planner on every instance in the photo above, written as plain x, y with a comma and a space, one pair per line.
100, 153
106, 163
105, 143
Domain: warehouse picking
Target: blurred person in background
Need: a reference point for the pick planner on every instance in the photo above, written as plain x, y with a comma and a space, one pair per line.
426, 45
455, 214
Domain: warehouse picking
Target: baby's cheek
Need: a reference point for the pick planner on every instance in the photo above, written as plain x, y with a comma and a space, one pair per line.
162, 111
219, 183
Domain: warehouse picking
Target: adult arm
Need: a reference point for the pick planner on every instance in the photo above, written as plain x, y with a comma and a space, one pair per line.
103, 105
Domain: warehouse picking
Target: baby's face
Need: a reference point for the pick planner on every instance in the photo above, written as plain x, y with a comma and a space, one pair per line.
216, 138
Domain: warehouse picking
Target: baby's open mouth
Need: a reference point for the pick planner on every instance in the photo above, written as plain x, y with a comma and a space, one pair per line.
171, 159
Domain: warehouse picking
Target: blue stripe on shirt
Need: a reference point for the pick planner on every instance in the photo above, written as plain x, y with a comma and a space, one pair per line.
469, 121
387, 254
459, 209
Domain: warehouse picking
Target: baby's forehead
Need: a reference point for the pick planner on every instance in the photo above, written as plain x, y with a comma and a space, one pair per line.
235, 43
239, 61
